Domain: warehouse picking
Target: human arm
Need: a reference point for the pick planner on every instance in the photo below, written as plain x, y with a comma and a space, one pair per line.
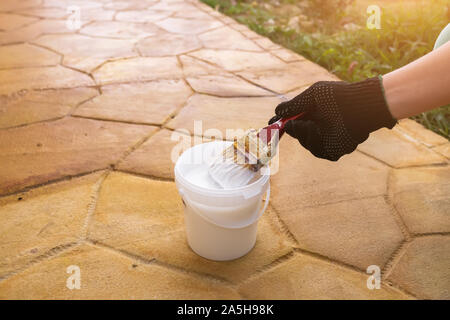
341, 115
422, 85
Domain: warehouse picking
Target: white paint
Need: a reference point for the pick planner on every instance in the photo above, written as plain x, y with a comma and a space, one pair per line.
228, 174
211, 171
199, 175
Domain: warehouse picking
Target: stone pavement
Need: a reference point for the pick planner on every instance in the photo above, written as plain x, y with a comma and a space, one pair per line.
86, 177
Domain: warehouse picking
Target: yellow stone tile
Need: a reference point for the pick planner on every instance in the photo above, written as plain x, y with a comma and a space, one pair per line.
233, 60
443, 149
226, 86
239, 27
10, 21
119, 30
194, 67
358, 232
13, 5
174, 6
415, 130
167, 44
85, 53
421, 196
187, 26
241, 113
49, 13
142, 15
267, 44
84, 4
228, 39
95, 14
302, 180
305, 277
391, 147
249, 33
150, 102
192, 14
34, 222
226, 19
42, 152
138, 69
148, 210
148, 221
32, 31
41, 78
157, 156
287, 55
108, 275
34, 106
91, 10
288, 77
424, 269
129, 5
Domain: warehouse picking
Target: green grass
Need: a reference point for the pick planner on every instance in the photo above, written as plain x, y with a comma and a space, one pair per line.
408, 31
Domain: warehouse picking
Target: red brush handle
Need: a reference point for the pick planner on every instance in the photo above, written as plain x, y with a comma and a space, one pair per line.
277, 125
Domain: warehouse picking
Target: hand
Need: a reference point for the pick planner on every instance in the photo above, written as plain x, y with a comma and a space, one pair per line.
339, 116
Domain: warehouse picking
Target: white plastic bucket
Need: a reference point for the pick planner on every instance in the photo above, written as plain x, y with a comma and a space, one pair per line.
221, 224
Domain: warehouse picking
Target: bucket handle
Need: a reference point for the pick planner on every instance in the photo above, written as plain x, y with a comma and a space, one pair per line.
266, 203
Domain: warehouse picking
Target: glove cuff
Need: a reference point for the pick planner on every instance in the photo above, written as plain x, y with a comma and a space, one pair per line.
368, 110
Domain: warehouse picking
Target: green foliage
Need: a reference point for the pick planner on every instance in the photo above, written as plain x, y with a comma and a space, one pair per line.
407, 33
437, 120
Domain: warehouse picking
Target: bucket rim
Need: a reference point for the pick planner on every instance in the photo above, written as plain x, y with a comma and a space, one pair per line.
261, 181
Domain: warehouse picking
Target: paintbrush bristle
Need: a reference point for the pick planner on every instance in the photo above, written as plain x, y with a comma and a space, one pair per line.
253, 149
239, 162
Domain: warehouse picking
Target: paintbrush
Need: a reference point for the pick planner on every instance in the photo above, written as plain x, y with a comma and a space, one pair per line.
240, 162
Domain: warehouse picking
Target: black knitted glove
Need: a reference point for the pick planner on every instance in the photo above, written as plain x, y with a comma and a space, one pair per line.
339, 116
